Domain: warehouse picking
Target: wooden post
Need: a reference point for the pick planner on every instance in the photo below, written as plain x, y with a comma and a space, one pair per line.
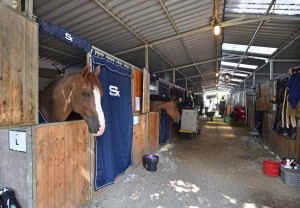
146, 57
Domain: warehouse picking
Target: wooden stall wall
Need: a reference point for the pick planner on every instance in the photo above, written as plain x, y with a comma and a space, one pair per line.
146, 91
153, 132
137, 79
262, 97
18, 69
278, 144
62, 165
15, 165
139, 140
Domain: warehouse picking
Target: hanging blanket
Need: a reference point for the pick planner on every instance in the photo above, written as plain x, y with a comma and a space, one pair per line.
279, 125
164, 117
114, 148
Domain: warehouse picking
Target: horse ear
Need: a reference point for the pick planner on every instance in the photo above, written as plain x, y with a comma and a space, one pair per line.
97, 71
85, 71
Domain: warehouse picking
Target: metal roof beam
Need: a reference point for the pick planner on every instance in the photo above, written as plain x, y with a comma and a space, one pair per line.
229, 23
271, 16
205, 74
294, 37
198, 63
254, 35
63, 53
133, 32
181, 39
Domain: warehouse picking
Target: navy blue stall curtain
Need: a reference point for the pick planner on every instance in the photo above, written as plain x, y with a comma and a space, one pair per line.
64, 35
114, 147
164, 117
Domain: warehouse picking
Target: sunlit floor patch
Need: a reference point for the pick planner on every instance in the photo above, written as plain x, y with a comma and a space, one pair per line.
186, 187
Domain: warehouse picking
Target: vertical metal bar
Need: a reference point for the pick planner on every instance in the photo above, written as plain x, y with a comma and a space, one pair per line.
245, 85
253, 79
271, 69
173, 76
91, 143
29, 159
33, 157
186, 83
147, 57
29, 8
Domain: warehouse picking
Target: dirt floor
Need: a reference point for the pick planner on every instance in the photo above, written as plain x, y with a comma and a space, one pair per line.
221, 167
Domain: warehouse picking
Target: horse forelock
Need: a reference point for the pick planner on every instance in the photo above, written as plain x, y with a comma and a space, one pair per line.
92, 81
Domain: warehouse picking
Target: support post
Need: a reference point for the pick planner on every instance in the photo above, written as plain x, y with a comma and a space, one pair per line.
245, 85
173, 76
147, 57
28, 8
271, 69
253, 79
186, 83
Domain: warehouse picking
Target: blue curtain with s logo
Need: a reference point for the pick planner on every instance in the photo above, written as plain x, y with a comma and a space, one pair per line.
63, 35
113, 149
164, 132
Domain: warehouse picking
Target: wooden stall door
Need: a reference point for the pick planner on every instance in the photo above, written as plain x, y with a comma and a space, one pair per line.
18, 69
62, 165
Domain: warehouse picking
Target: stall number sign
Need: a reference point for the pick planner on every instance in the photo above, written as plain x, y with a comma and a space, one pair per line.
17, 140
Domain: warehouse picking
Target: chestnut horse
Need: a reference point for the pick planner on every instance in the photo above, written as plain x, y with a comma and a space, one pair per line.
80, 92
169, 105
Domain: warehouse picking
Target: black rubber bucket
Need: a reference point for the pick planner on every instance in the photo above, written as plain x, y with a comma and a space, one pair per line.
150, 162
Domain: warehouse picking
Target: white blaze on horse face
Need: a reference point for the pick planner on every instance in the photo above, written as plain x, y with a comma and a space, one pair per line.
99, 111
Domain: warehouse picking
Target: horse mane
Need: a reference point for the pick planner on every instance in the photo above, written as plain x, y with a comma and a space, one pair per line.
159, 98
57, 80
89, 79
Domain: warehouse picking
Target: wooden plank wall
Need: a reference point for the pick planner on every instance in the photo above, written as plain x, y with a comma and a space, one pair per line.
18, 69
137, 79
139, 140
153, 132
280, 145
146, 91
262, 97
62, 165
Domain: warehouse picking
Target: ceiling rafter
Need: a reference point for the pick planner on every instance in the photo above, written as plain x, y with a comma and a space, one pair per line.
181, 39
234, 22
133, 32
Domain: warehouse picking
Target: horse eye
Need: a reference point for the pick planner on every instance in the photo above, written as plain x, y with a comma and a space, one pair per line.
86, 94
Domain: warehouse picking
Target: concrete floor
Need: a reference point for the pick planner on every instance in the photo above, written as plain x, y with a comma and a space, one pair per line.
218, 168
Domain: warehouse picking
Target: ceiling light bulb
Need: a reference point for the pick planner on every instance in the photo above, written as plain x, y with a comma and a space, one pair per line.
217, 29
217, 74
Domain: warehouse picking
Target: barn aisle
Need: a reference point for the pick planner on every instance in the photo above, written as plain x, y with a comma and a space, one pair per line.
218, 168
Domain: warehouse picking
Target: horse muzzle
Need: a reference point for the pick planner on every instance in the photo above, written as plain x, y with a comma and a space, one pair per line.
95, 128
100, 131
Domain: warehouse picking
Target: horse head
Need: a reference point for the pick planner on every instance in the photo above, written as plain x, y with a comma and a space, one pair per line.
87, 100
171, 108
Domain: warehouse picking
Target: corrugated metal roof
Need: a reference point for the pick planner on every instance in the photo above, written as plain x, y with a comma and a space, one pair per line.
274, 32
157, 23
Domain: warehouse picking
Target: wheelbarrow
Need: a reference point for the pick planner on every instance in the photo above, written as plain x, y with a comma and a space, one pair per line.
210, 115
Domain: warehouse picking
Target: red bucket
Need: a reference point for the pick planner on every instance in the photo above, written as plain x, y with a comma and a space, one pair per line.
271, 168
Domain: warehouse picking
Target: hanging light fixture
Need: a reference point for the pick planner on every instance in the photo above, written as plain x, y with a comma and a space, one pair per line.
217, 29
216, 23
